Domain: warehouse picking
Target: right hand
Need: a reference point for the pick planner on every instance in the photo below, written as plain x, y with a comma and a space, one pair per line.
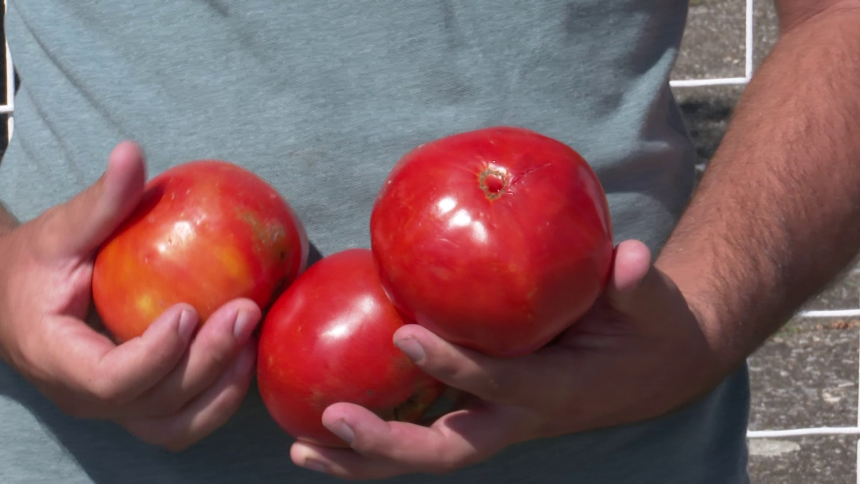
171, 386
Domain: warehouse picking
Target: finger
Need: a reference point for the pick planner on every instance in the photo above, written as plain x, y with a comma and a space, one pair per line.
110, 376
84, 222
385, 449
636, 287
204, 414
527, 380
212, 351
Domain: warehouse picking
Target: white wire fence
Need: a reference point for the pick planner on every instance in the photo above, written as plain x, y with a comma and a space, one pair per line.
840, 313
9, 109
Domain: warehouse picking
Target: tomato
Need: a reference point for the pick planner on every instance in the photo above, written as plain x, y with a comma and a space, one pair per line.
496, 239
328, 339
205, 232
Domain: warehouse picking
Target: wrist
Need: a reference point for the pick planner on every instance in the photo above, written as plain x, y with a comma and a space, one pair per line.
711, 305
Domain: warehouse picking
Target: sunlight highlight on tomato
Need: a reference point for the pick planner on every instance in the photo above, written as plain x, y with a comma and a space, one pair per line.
204, 233
496, 239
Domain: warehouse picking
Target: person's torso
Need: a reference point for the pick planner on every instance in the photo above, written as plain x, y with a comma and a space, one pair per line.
321, 99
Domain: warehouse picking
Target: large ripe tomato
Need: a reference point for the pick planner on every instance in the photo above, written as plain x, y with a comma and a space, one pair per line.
496, 239
328, 339
204, 233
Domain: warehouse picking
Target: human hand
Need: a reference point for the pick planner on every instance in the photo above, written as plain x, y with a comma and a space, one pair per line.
170, 386
639, 353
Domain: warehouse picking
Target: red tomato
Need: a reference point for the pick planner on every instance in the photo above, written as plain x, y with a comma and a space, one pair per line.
496, 239
328, 339
204, 233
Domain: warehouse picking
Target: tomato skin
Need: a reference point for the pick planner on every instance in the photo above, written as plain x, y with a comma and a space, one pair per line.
205, 232
496, 239
328, 339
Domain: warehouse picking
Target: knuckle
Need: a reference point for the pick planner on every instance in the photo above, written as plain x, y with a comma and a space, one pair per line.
106, 391
164, 348
218, 360
73, 408
157, 434
445, 369
222, 350
448, 463
492, 387
166, 407
25, 355
460, 459
229, 402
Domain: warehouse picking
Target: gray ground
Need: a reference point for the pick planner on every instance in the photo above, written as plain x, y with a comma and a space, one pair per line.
807, 374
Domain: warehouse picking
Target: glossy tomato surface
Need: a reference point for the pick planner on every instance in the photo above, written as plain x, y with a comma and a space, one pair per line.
496, 239
204, 233
328, 339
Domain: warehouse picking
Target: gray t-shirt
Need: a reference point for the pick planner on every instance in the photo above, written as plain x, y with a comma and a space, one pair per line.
321, 98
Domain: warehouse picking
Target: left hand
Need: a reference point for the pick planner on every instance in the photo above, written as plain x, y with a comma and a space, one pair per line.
639, 353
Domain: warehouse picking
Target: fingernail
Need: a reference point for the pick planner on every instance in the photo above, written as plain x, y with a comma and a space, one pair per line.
315, 465
342, 430
244, 325
187, 323
411, 348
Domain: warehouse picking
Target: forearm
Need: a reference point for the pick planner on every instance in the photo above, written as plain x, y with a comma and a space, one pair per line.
777, 214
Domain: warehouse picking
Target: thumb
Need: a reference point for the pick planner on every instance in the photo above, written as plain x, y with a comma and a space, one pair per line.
634, 283
80, 225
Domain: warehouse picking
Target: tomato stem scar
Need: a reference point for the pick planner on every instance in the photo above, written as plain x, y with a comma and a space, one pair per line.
493, 182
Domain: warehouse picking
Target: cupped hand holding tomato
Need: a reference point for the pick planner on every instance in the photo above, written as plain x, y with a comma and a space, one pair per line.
203, 233
328, 339
498, 243
638, 353
170, 386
